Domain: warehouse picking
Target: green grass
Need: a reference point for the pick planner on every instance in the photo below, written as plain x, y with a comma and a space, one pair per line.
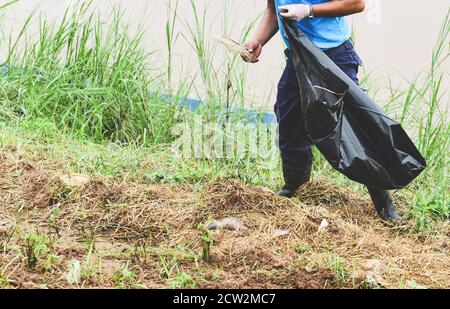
139, 162
337, 265
91, 78
423, 109
85, 89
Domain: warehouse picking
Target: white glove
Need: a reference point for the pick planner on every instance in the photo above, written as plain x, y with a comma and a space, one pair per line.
295, 12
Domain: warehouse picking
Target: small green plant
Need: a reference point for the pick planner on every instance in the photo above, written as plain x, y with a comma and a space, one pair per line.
90, 269
35, 248
40, 248
337, 265
429, 207
56, 214
126, 279
5, 282
90, 237
53, 220
167, 264
182, 281
50, 260
302, 248
207, 242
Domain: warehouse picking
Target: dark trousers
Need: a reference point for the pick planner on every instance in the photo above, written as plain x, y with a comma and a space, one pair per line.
292, 138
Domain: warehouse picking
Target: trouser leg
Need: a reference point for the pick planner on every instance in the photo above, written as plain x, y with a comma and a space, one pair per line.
293, 141
295, 147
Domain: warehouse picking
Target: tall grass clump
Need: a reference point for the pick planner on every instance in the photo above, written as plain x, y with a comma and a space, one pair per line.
90, 76
223, 77
197, 38
236, 72
171, 39
423, 109
5, 110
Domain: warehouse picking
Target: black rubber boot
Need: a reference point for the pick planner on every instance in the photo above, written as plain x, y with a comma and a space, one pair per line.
294, 177
384, 206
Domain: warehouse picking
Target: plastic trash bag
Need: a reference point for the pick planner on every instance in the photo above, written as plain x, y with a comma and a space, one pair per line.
353, 133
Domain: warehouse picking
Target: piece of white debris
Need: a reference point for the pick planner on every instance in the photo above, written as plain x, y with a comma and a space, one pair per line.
73, 275
75, 180
230, 224
233, 47
374, 270
324, 225
280, 233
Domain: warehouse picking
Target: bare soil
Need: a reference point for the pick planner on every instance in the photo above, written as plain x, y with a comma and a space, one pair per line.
157, 232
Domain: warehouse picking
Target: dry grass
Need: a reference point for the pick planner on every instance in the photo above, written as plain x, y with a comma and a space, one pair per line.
156, 232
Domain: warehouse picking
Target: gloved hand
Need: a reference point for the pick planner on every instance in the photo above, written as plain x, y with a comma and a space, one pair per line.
295, 12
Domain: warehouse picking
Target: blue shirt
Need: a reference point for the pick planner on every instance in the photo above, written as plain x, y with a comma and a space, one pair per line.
325, 32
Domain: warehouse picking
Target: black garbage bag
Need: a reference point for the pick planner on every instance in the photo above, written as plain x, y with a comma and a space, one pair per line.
353, 133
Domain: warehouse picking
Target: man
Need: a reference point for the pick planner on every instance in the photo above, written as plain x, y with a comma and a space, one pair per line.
324, 24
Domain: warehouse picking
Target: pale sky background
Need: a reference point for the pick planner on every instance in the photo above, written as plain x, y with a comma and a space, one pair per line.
393, 37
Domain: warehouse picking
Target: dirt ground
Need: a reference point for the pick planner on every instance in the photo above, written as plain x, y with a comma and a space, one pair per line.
132, 235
